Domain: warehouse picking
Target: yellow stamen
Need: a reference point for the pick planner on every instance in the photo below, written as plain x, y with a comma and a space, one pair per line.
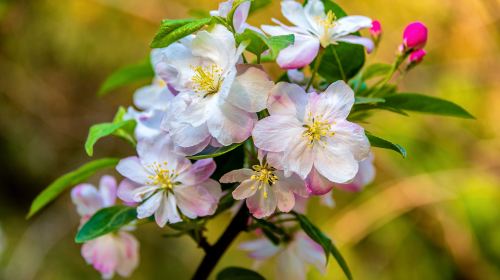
207, 80
316, 129
264, 175
329, 21
163, 177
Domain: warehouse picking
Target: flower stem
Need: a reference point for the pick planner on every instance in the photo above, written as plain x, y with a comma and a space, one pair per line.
216, 251
316, 67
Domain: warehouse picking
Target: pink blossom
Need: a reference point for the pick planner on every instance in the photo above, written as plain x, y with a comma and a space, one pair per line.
165, 182
417, 56
310, 134
314, 28
293, 258
376, 29
264, 188
111, 253
240, 15
415, 36
220, 98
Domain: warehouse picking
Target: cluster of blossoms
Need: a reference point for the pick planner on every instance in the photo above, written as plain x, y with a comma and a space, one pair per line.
297, 134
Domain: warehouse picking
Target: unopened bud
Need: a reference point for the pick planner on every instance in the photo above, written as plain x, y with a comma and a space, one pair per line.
415, 36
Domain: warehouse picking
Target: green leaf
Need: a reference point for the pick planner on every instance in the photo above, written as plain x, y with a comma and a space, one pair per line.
105, 221
368, 100
257, 42
277, 43
68, 180
258, 4
211, 152
317, 235
341, 62
239, 273
382, 143
127, 75
425, 104
172, 31
376, 70
119, 127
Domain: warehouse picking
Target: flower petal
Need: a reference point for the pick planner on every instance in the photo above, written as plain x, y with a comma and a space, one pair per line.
350, 24
250, 90
299, 157
358, 40
127, 190
199, 172
240, 16
198, 201
246, 189
275, 132
317, 184
129, 254
338, 165
288, 99
334, 103
107, 190
260, 249
132, 169
229, 124
262, 203
301, 53
218, 45
284, 197
150, 206
87, 199
238, 175
352, 137
294, 12
167, 211
103, 254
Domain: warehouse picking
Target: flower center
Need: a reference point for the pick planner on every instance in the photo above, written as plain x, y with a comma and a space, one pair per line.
328, 21
316, 130
163, 177
264, 175
207, 80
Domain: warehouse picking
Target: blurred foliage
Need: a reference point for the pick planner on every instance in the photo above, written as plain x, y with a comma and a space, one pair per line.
434, 215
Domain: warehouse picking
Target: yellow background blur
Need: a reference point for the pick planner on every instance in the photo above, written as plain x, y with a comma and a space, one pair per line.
434, 215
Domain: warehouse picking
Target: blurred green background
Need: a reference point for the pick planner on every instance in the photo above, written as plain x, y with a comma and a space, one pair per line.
434, 215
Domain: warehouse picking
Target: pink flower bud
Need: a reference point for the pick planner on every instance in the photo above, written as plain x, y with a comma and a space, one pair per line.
417, 56
376, 29
415, 36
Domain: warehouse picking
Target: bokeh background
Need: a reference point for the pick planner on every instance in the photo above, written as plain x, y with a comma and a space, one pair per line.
433, 215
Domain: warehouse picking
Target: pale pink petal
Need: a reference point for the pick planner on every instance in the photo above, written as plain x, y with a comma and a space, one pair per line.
327, 200
186, 135
260, 249
197, 112
193, 149
294, 12
317, 184
365, 176
262, 203
299, 157
310, 251
196, 201
293, 183
229, 124
275, 132
218, 45
107, 189
129, 254
160, 150
284, 196
167, 211
288, 99
351, 24
246, 189
275, 160
240, 16
353, 39
335, 163
352, 137
148, 208
200, 171
103, 254
300, 54
132, 169
250, 90
333, 104
238, 175
87, 199
290, 267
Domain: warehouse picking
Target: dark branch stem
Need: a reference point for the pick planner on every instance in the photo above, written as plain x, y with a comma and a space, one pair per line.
216, 251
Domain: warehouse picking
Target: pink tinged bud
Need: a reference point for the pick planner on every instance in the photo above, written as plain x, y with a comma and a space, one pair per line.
415, 36
417, 56
376, 29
